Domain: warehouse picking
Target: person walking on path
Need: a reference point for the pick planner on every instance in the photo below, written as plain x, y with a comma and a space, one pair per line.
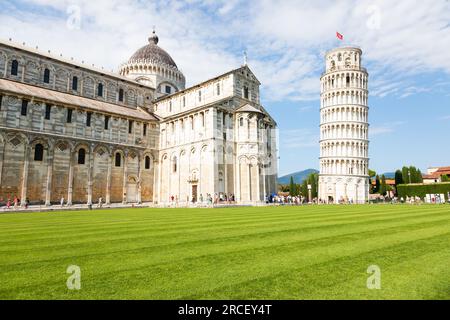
62, 202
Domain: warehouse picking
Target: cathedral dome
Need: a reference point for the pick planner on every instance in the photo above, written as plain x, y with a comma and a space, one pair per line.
152, 52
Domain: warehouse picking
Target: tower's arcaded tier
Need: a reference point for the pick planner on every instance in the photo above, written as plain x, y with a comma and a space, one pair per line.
344, 128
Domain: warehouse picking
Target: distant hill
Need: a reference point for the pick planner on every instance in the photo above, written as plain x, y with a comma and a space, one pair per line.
298, 176
388, 175
302, 175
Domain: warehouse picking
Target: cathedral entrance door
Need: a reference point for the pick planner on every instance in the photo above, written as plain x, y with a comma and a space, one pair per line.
194, 193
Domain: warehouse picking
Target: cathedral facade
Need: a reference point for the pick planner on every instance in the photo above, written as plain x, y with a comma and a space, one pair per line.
68, 130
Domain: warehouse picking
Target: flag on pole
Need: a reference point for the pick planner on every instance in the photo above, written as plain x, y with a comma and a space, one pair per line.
339, 36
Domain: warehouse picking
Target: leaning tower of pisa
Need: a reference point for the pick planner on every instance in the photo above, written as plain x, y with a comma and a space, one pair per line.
344, 128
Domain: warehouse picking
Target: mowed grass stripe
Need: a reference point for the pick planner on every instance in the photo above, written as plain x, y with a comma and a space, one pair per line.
193, 216
346, 277
192, 252
135, 237
186, 241
128, 246
128, 270
90, 221
133, 242
171, 230
208, 254
252, 265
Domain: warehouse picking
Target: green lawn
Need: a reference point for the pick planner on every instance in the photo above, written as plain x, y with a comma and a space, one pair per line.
236, 253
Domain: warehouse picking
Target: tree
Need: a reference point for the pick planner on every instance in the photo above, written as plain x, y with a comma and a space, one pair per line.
313, 180
419, 176
377, 184
372, 174
405, 175
292, 187
398, 177
383, 189
304, 189
413, 173
445, 178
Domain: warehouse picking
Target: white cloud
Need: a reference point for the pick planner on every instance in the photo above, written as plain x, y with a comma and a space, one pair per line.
306, 109
285, 40
298, 139
385, 128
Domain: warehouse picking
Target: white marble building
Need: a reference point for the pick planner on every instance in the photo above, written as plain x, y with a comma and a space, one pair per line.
72, 131
344, 128
216, 138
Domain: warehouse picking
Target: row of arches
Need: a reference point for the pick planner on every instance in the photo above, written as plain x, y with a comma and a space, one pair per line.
57, 119
344, 97
186, 174
48, 169
344, 149
64, 79
353, 113
345, 80
190, 128
346, 131
344, 167
347, 58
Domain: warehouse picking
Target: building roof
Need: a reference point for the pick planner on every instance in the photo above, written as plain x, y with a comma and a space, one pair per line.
248, 108
166, 97
152, 52
438, 173
72, 100
389, 182
70, 62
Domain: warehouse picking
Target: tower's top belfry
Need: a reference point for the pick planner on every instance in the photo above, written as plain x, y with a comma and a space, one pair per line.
346, 58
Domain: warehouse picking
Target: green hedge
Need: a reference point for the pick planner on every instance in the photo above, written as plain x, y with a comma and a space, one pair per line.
421, 190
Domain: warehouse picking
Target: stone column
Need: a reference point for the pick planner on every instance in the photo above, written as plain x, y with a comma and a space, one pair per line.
23, 63
6, 68
2, 153
139, 182
156, 179
179, 177
70, 187
258, 182
48, 190
249, 176
125, 177
90, 169
264, 182
26, 163
225, 172
238, 181
108, 180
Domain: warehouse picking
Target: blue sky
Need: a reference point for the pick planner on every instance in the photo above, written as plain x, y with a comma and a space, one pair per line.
406, 48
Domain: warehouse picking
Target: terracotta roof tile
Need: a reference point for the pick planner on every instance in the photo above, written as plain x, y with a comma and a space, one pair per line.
69, 99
